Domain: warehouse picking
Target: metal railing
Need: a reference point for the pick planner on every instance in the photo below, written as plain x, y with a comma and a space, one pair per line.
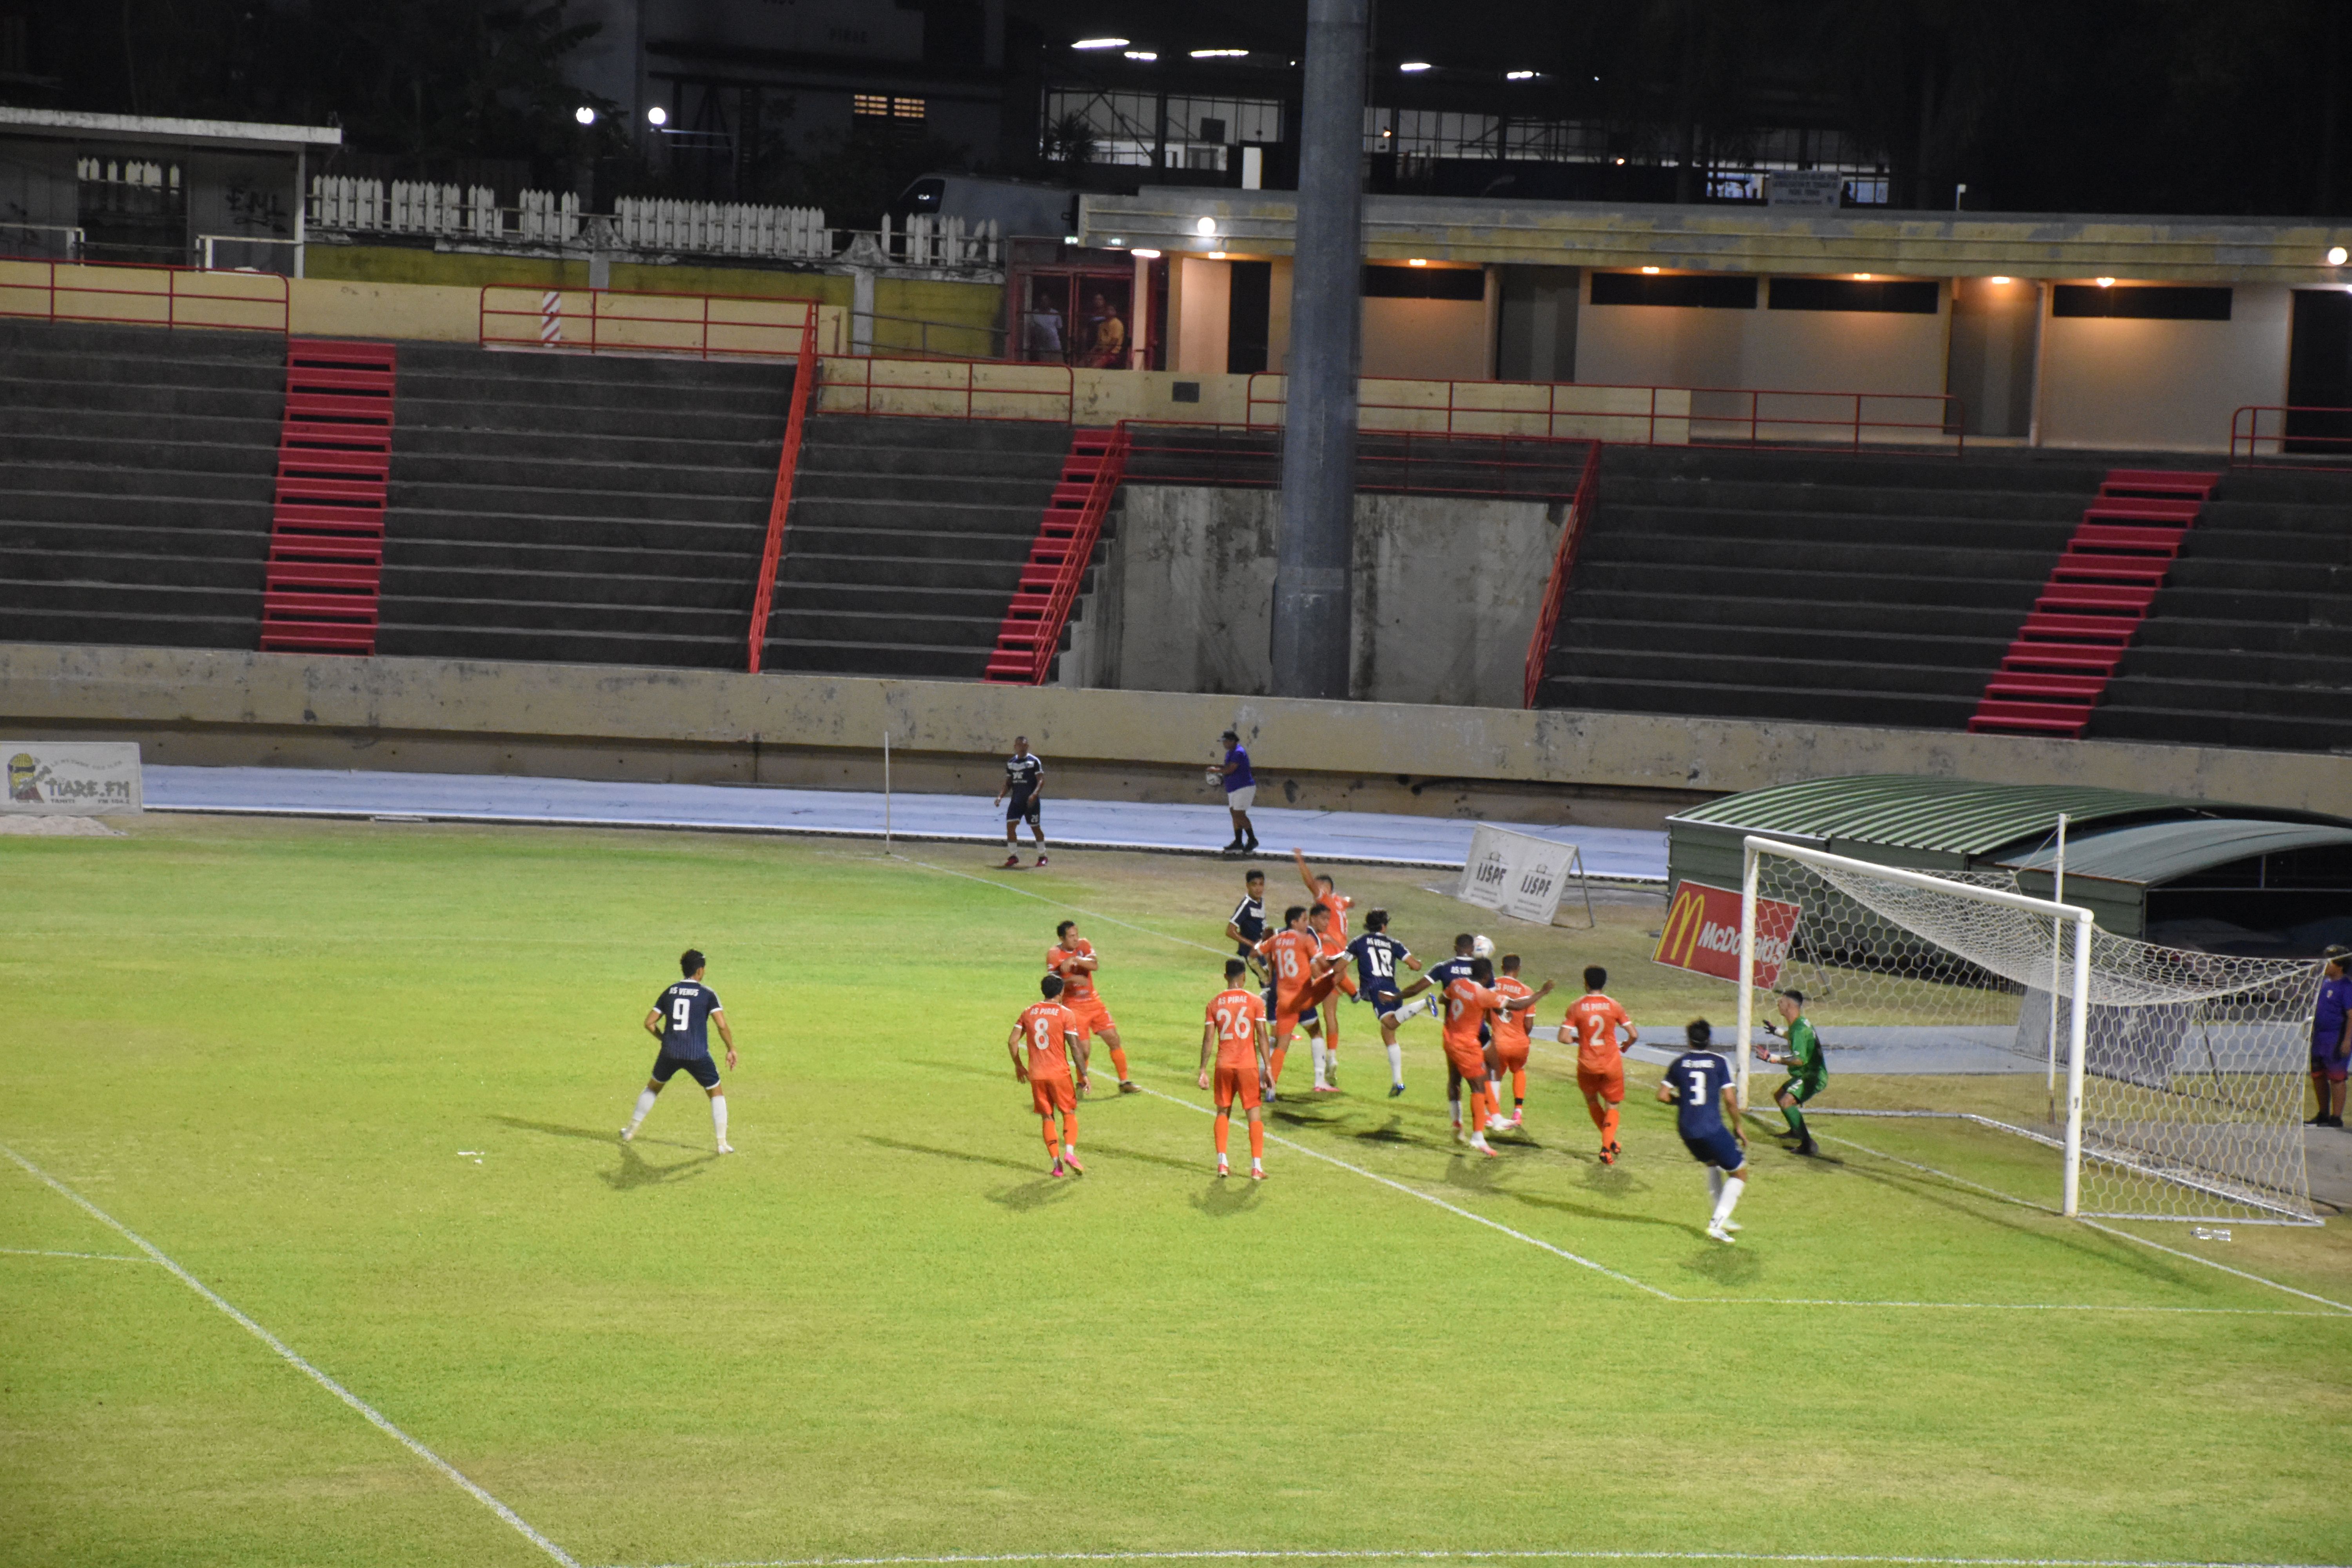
948, 389
2291, 431
1640, 416
806, 369
136, 294
1563, 566
1076, 560
607, 320
890, 344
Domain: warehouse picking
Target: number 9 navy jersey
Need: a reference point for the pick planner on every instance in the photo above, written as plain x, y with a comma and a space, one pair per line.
685, 1008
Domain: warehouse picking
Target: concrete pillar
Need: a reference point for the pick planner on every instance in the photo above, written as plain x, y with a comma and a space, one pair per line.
1311, 636
861, 311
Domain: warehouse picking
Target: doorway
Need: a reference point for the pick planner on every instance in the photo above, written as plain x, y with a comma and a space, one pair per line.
1996, 332
2319, 372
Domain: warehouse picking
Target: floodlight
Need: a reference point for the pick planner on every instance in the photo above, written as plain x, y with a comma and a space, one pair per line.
1143, 54
1415, 65
2336, 256
1518, 76
1205, 226
2105, 282
1140, 254
585, 115
1219, 53
657, 117
1099, 44
1416, 261
1649, 270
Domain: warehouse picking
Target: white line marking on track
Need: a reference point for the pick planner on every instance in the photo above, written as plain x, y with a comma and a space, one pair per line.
292, 1358
91, 1257
1642, 1285
1475, 1556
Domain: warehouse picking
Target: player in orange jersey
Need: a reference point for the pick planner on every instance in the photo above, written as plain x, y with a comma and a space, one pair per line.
1509, 1046
1469, 1002
1234, 1028
1073, 958
1592, 1022
1049, 1033
1320, 891
1295, 954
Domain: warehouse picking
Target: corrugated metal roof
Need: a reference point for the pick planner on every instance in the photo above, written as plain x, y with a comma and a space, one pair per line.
1957, 816
2156, 852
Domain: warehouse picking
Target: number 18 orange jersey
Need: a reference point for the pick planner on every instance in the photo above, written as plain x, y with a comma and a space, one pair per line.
1292, 955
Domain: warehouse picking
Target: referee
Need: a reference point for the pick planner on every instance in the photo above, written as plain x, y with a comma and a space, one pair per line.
1025, 782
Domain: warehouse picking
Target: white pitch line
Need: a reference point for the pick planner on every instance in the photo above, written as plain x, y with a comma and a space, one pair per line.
292, 1358
2224, 1268
1475, 1556
91, 1257
1061, 903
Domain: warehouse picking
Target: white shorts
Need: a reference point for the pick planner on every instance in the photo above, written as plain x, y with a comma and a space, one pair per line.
1240, 799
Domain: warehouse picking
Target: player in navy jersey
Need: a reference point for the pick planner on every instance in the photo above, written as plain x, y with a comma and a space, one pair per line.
1378, 957
1025, 782
1440, 976
1246, 926
680, 1020
1707, 1112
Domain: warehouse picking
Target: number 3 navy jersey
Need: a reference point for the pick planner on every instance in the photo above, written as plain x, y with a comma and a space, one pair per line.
1699, 1078
685, 1008
1376, 957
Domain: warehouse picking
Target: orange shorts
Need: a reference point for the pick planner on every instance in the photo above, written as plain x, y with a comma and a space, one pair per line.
1609, 1085
1052, 1094
1513, 1055
1468, 1060
1319, 993
1093, 1016
1235, 1083
1286, 1024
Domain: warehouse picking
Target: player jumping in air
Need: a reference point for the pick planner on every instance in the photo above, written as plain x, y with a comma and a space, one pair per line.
1809, 1074
1698, 1086
1594, 1021
1023, 785
1295, 954
680, 1020
1320, 891
1048, 1033
1234, 1029
1073, 958
1509, 1049
1377, 956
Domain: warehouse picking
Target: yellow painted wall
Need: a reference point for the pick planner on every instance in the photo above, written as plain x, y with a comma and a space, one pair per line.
2108, 382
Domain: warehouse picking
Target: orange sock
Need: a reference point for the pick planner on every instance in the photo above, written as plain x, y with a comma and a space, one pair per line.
1274, 1063
1225, 1132
1609, 1125
1598, 1108
1118, 1062
1519, 1086
1052, 1147
1482, 1105
1069, 1132
1257, 1139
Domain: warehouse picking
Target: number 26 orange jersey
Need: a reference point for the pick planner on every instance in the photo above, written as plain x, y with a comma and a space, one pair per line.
1236, 1015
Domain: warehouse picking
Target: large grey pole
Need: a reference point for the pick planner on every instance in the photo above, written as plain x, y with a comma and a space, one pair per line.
1311, 640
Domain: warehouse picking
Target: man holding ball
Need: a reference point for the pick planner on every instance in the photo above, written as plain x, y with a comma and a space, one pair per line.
1241, 792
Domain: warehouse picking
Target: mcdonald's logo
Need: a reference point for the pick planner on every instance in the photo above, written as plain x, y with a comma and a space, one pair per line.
1702, 933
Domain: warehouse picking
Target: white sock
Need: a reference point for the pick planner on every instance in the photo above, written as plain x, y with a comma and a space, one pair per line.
718, 1116
645, 1103
1396, 1064
1714, 1184
1454, 1105
1322, 1061
1732, 1188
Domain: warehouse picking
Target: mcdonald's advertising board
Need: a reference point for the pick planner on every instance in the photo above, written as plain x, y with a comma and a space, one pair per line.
1702, 933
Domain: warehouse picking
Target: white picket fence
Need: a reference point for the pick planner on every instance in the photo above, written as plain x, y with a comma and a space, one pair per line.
723, 228
928, 241
406, 207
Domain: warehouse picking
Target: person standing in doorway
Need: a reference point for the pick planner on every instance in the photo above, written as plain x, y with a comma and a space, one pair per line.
2331, 1039
1023, 785
1241, 793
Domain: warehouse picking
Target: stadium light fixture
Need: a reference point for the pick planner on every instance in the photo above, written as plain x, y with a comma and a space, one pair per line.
585, 115
1862, 277
2105, 282
1650, 269
657, 117
1099, 44
1414, 66
1141, 253
1995, 279
1072, 239
1145, 54
2336, 256
1219, 53
1205, 226
1518, 76
1620, 163
1116, 240
1216, 255
1417, 261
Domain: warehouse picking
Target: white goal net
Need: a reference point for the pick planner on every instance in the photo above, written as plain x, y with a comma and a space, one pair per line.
2173, 1091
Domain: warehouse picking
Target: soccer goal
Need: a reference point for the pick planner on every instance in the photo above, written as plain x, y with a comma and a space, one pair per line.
2170, 1083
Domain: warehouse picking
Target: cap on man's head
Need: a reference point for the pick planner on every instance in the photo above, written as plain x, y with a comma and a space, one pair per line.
1229, 735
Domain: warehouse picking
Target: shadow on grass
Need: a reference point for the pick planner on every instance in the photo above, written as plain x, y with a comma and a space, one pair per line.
1035, 1194
1190, 1167
1728, 1265
963, 1155
1232, 1195
634, 1170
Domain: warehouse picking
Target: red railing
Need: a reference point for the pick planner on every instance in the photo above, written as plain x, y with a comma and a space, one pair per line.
175, 296
1563, 565
1639, 415
1534, 468
805, 372
2248, 436
616, 320
1032, 632
951, 388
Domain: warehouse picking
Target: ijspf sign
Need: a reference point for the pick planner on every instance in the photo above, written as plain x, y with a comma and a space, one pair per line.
1515, 873
1702, 933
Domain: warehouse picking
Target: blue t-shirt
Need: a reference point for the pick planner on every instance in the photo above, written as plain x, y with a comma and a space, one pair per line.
1699, 1078
1377, 956
1241, 777
2328, 1017
685, 1008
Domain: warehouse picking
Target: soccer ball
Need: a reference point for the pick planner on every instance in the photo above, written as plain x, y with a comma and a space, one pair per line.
1482, 947
1212, 776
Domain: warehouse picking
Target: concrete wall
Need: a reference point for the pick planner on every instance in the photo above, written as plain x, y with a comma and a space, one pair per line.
2111, 383
1199, 314
1446, 591
206, 706
1801, 351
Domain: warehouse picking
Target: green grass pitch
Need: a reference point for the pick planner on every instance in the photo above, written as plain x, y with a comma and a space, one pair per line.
364, 1081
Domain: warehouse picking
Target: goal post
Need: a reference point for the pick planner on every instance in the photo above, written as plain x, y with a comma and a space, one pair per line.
1939, 995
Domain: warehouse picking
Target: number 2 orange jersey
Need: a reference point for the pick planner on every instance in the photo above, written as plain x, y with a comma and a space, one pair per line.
1042, 1025
1236, 1015
1292, 954
1334, 934
1077, 984
1467, 1003
1595, 1019
1511, 1024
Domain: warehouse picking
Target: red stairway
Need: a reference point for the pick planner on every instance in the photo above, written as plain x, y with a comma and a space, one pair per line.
334, 472
2091, 607
1032, 632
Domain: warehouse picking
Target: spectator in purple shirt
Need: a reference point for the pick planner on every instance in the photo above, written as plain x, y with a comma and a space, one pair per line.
2331, 1040
1241, 791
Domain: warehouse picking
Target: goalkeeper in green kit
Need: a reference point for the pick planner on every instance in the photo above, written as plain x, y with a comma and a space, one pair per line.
1806, 1071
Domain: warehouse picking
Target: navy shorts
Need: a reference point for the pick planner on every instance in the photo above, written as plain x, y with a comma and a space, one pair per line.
701, 1068
1021, 806
2332, 1060
1383, 1002
1719, 1149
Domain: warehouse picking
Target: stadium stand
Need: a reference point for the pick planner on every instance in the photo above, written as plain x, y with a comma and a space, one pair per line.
906, 543
135, 482
2249, 641
1837, 589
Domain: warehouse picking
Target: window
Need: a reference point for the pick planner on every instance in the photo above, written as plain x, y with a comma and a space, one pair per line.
870, 105
2145, 303
1699, 291
1425, 283
908, 109
1890, 296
